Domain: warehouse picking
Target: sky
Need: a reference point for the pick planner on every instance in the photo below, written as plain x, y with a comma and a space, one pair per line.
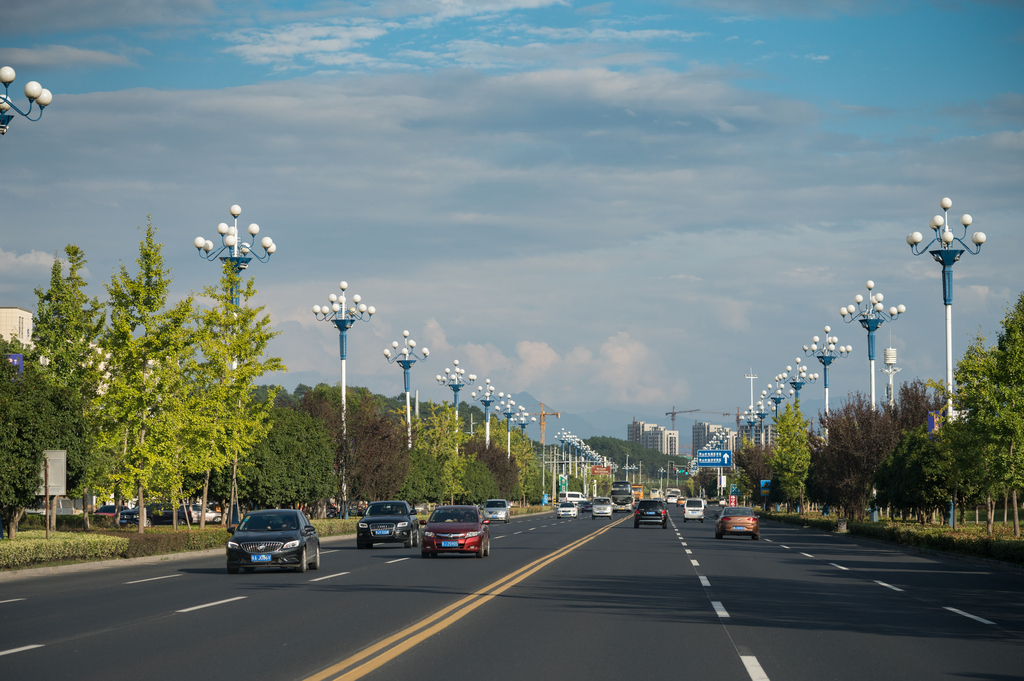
618, 206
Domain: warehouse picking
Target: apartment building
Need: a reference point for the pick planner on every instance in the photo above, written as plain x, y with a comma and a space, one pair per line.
653, 436
16, 322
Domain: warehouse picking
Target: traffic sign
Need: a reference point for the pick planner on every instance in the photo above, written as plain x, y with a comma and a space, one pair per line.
714, 458
734, 490
766, 487
732, 499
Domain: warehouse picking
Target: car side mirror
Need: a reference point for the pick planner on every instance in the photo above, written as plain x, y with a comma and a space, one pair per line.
423, 522
309, 529
231, 530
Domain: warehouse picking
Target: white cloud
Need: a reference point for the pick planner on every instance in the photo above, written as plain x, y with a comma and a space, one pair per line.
817, 57
27, 266
63, 56
330, 45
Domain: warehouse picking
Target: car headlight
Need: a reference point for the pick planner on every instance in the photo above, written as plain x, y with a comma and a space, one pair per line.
474, 534
403, 524
232, 545
294, 543
428, 533
363, 526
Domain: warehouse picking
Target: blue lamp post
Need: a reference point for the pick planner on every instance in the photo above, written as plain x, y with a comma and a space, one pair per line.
35, 93
871, 315
233, 250
343, 317
827, 353
947, 252
453, 378
801, 378
485, 395
406, 357
761, 414
509, 410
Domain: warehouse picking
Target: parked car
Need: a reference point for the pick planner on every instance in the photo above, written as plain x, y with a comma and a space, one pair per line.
60, 506
108, 510
693, 509
498, 509
602, 508
387, 522
567, 509
650, 512
156, 514
273, 538
738, 520
212, 515
456, 529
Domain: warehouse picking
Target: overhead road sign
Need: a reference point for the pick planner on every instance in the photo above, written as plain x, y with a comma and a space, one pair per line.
714, 458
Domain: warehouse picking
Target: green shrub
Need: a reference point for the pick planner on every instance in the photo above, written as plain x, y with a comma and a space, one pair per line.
32, 548
335, 526
162, 540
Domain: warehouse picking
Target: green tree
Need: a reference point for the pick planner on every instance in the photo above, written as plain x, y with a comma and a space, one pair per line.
144, 348
478, 482
294, 465
790, 457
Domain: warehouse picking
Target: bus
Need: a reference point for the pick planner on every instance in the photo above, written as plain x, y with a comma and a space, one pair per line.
622, 496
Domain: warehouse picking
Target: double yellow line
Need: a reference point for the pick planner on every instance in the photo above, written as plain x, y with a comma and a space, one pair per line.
379, 654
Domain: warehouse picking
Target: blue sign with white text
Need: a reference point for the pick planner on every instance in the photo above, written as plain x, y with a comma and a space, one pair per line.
714, 458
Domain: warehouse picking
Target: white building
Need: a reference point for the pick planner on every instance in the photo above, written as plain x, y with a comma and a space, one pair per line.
16, 322
653, 436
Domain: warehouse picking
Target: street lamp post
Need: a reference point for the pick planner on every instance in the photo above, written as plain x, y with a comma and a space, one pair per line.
485, 395
826, 354
802, 377
406, 357
238, 255
35, 93
453, 378
946, 253
871, 316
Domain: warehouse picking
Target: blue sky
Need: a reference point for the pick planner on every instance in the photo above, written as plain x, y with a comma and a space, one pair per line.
608, 205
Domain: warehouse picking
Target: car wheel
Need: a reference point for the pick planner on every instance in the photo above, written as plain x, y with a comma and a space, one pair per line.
756, 537
702, 520
507, 520
664, 526
302, 561
415, 538
149, 523
487, 549
232, 570
424, 555
636, 526
248, 569
408, 542
217, 520
315, 565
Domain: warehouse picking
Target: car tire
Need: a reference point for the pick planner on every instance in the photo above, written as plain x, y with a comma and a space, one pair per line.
408, 542
636, 526
415, 538
755, 537
302, 561
664, 526
424, 555
217, 520
718, 535
315, 565
487, 549
232, 570
149, 523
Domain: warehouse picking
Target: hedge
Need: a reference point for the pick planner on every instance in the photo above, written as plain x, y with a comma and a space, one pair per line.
32, 548
969, 542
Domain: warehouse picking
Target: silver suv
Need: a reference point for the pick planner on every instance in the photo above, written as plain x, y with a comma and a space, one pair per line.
498, 509
693, 509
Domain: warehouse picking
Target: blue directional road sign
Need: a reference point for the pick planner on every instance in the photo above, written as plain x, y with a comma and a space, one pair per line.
766, 487
714, 458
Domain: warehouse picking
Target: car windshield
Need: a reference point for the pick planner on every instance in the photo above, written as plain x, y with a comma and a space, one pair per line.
386, 509
602, 500
269, 522
454, 515
496, 504
566, 504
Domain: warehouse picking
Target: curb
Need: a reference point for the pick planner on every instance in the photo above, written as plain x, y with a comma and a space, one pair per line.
26, 573
962, 557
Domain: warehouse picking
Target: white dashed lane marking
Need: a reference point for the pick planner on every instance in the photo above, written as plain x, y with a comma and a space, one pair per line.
153, 579
693, 562
18, 650
320, 579
12, 600
704, 581
967, 614
519, 532
835, 565
888, 586
806, 554
719, 608
210, 605
688, 551
398, 560
753, 668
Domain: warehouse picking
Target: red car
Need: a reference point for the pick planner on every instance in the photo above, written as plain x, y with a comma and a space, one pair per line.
455, 529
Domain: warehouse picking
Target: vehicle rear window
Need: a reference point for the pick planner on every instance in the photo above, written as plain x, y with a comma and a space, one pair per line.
496, 504
649, 503
694, 503
738, 511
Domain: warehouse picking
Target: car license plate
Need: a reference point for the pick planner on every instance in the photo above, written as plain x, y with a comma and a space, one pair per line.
650, 512
260, 558
449, 545
737, 528
380, 532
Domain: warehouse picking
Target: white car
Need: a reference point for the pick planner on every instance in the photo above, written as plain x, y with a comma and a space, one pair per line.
602, 507
671, 499
693, 509
567, 509
498, 510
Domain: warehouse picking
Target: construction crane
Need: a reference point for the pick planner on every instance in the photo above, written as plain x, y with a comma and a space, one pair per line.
674, 412
541, 419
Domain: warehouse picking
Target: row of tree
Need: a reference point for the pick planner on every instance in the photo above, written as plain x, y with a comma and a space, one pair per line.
910, 457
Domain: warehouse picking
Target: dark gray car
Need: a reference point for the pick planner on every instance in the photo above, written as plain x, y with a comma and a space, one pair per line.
388, 522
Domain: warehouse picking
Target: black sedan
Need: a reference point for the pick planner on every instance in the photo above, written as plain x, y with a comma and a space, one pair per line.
388, 522
274, 538
156, 514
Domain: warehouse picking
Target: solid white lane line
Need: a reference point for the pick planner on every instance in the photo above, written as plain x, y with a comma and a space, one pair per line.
397, 560
12, 600
806, 554
704, 581
693, 562
320, 579
18, 650
783, 546
719, 608
153, 579
210, 605
688, 551
753, 668
888, 586
519, 532
838, 566
967, 614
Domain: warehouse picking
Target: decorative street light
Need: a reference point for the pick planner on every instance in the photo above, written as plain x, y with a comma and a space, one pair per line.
871, 316
826, 354
406, 357
238, 252
629, 471
946, 253
343, 317
801, 378
485, 395
778, 396
35, 92
509, 410
453, 378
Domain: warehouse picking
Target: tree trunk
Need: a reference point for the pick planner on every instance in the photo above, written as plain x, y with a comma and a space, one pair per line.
85, 509
234, 490
990, 509
202, 507
1006, 503
142, 511
1016, 514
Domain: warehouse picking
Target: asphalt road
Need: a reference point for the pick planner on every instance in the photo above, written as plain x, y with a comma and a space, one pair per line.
555, 598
